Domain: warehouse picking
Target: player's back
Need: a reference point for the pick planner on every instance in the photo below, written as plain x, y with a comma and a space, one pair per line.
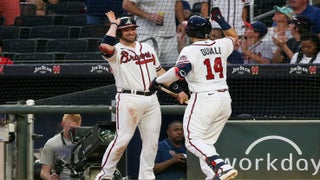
209, 64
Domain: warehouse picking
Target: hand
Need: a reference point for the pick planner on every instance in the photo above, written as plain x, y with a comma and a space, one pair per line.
216, 14
179, 158
55, 176
153, 85
279, 42
156, 18
182, 97
244, 46
112, 17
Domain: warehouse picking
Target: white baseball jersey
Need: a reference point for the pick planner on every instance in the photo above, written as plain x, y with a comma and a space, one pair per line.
209, 106
146, 27
262, 49
164, 35
209, 64
134, 68
232, 12
305, 59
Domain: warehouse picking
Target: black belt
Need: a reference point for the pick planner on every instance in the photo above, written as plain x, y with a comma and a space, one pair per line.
143, 93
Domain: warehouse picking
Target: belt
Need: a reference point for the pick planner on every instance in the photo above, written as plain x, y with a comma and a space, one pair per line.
143, 93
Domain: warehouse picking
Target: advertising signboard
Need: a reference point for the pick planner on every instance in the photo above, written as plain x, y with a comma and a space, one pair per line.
269, 149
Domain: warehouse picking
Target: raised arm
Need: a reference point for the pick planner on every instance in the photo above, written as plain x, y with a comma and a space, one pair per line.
109, 40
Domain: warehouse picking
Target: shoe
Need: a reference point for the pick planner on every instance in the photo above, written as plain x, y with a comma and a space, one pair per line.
226, 175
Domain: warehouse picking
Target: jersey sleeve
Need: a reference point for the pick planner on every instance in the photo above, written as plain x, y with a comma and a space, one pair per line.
183, 65
228, 44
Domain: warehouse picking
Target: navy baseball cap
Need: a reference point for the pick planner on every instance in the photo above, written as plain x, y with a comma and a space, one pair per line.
300, 20
258, 27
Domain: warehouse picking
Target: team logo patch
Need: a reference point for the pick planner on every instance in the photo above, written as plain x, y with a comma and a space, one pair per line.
183, 58
172, 153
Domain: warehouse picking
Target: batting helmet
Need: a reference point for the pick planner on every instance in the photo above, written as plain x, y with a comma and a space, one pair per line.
198, 27
126, 22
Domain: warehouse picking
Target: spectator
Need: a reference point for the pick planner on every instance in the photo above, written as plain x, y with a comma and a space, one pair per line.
96, 9
157, 20
171, 156
298, 25
186, 10
254, 50
41, 5
235, 12
9, 9
4, 60
59, 147
309, 52
182, 39
281, 18
303, 8
235, 57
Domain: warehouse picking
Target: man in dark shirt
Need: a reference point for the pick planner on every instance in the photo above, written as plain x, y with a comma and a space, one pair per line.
171, 156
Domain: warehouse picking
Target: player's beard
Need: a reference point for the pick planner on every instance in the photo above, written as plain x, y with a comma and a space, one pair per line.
129, 39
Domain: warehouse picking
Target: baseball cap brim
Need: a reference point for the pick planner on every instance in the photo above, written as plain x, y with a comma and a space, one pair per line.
128, 26
247, 24
284, 10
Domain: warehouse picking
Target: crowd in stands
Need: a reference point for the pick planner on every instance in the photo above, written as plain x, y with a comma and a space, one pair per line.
161, 25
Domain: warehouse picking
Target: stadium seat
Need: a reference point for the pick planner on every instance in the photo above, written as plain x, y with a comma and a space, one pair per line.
93, 44
28, 9
2, 21
33, 21
19, 45
9, 32
67, 45
75, 22
34, 58
26, 22
93, 31
84, 57
45, 33
65, 8
51, 31
64, 46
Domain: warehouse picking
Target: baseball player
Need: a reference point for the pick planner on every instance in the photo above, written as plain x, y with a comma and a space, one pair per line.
203, 64
134, 65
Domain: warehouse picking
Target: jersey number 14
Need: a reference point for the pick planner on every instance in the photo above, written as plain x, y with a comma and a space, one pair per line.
217, 67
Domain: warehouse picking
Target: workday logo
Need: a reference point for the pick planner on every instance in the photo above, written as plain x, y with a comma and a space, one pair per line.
293, 162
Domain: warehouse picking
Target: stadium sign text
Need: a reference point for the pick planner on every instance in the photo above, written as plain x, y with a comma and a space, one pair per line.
293, 162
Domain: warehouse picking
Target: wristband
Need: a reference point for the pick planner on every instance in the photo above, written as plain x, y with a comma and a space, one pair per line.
223, 24
109, 40
174, 87
114, 24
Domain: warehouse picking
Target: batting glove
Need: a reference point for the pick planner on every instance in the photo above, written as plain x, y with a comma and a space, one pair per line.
217, 16
153, 86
